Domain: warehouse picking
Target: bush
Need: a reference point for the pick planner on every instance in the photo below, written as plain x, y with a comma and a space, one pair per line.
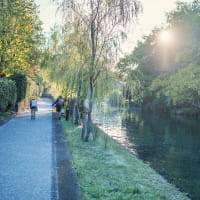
21, 84
8, 94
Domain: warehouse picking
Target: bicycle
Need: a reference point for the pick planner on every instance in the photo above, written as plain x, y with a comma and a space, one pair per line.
33, 110
33, 107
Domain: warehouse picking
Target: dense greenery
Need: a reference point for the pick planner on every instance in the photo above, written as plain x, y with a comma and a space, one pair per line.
20, 36
21, 85
113, 173
65, 59
8, 94
20, 48
165, 75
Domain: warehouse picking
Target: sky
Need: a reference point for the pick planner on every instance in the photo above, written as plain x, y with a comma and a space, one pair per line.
48, 14
154, 12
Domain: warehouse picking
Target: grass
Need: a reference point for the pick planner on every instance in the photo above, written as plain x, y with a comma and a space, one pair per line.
4, 115
113, 173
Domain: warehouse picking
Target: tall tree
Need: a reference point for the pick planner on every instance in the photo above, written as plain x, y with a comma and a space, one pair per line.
105, 22
20, 36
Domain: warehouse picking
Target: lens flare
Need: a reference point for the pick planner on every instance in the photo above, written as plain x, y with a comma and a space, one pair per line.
165, 37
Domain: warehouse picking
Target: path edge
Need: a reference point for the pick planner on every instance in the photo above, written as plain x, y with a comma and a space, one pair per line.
65, 181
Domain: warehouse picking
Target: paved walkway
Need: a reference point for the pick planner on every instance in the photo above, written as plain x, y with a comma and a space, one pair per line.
27, 157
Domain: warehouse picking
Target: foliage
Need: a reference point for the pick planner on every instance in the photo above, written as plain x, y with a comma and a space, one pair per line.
33, 89
135, 86
65, 59
8, 94
113, 173
168, 72
184, 87
20, 46
103, 24
20, 36
21, 84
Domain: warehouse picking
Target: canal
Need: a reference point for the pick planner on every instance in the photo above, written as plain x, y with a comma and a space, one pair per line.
169, 145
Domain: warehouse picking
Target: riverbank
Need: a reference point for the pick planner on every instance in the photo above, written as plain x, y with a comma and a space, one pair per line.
112, 173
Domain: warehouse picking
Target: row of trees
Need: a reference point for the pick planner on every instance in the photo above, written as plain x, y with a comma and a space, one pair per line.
21, 40
164, 76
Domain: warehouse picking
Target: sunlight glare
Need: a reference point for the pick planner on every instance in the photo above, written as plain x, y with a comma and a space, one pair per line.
165, 37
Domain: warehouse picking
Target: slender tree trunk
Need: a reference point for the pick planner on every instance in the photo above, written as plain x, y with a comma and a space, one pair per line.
77, 103
89, 113
91, 78
84, 129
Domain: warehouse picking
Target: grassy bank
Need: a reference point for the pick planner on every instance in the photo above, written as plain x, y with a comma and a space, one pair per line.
112, 173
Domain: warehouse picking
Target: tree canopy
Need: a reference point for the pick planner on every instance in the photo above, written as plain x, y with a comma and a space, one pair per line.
20, 36
169, 70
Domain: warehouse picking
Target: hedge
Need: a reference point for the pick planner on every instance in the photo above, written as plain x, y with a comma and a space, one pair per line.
8, 94
18, 89
21, 84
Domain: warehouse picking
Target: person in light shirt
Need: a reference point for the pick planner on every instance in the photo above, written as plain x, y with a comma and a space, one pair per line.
33, 107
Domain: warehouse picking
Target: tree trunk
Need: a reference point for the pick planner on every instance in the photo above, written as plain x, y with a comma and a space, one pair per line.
89, 114
84, 129
77, 103
88, 121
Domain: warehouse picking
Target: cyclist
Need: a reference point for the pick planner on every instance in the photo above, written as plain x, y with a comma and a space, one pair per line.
33, 107
59, 104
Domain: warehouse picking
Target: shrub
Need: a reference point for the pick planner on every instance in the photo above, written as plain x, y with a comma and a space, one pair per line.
12, 91
8, 94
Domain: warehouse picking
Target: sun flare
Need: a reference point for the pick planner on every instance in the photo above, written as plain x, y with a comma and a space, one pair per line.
165, 36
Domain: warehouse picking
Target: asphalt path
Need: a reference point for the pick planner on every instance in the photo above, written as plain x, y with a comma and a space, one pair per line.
27, 160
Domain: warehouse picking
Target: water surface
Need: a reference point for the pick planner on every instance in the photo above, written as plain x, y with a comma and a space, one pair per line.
170, 145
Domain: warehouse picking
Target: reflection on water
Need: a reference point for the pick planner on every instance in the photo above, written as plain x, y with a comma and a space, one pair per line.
171, 146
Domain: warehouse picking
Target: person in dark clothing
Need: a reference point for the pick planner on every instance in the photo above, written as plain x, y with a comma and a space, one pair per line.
59, 104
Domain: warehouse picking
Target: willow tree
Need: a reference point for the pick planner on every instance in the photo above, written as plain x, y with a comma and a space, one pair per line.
79, 56
65, 61
74, 61
105, 21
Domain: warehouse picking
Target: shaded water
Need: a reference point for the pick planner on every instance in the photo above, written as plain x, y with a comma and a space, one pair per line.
170, 145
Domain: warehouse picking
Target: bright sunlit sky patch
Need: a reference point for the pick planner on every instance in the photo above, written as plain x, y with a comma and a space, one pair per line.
48, 14
153, 15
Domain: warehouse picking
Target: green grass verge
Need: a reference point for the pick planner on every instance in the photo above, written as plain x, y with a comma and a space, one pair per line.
113, 173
